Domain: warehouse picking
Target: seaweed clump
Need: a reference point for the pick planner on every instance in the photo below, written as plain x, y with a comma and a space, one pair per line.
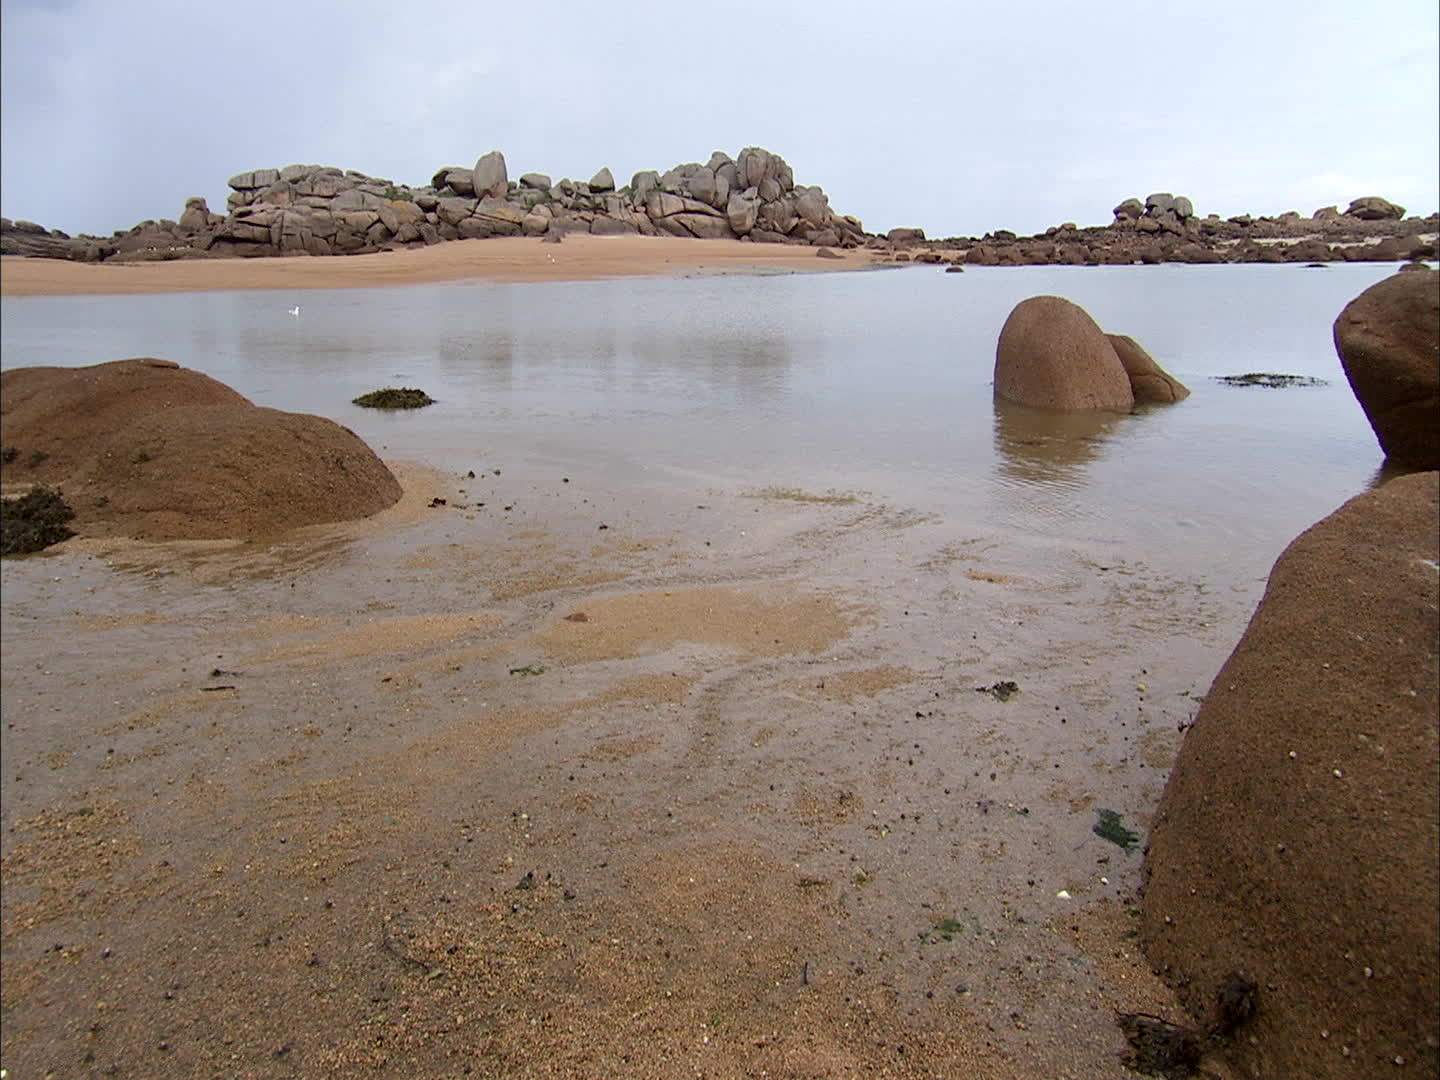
34, 521
392, 397
1270, 379
1111, 827
1174, 1051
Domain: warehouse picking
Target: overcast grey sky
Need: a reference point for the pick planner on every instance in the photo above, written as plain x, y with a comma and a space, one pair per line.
959, 117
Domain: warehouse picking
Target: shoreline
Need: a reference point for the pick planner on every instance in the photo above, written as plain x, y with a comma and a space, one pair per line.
505, 260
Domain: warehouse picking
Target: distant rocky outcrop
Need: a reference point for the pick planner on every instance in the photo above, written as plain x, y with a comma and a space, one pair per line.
1374, 208
323, 210
1051, 355
1165, 228
1388, 339
1296, 843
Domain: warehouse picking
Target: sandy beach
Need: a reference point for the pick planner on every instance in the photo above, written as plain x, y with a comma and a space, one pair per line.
573, 781
547, 771
512, 259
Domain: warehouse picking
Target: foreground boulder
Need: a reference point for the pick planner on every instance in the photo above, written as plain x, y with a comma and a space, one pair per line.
1388, 338
1296, 843
1051, 355
147, 449
56, 417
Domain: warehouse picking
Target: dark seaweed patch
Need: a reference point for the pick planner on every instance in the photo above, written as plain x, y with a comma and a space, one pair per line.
1111, 828
392, 397
1270, 379
34, 521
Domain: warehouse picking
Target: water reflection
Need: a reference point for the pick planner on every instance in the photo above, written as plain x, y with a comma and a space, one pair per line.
1040, 446
875, 382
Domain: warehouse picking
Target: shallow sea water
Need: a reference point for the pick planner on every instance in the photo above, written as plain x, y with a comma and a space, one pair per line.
877, 383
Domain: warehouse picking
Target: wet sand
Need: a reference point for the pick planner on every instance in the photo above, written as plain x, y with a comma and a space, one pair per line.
601, 783
513, 259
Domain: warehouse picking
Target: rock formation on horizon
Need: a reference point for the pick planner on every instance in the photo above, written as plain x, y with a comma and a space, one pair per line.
324, 210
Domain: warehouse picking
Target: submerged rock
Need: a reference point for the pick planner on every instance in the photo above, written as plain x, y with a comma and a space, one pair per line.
1149, 382
1051, 355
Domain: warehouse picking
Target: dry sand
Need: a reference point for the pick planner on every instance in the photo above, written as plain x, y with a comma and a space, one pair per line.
710, 792
578, 258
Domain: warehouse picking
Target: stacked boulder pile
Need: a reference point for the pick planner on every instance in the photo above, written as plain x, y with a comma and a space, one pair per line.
322, 210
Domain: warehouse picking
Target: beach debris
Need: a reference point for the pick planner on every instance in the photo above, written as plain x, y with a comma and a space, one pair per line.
1158, 1047
437, 501
393, 397
528, 669
34, 521
1110, 827
1173, 1051
1002, 691
1270, 379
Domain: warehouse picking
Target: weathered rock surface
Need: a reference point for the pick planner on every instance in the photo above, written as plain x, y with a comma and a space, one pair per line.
1051, 355
1374, 208
1388, 339
149, 449
1297, 842
1149, 382
490, 177
322, 210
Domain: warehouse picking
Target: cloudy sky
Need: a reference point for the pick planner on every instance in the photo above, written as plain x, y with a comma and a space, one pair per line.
959, 116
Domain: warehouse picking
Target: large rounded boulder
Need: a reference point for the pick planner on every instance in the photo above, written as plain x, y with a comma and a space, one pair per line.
1388, 339
1296, 842
151, 450
1051, 355
55, 417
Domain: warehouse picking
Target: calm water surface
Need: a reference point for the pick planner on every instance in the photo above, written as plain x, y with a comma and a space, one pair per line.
874, 382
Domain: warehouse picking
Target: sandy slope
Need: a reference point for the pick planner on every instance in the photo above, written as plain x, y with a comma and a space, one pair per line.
557, 780
504, 259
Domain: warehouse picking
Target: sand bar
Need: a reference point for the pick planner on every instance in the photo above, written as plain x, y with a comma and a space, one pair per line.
511, 259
